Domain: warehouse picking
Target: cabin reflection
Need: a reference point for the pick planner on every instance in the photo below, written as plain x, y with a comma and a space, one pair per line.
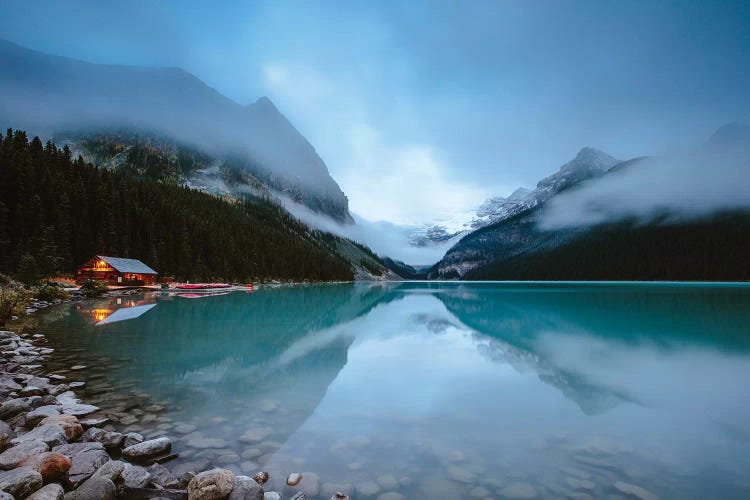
103, 312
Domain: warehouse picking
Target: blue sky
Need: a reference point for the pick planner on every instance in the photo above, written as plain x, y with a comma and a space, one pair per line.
423, 109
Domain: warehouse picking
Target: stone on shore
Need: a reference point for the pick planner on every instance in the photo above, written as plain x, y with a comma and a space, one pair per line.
110, 440
215, 484
50, 464
6, 434
37, 415
20, 482
162, 477
52, 434
271, 495
293, 479
52, 491
246, 488
94, 488
69, 423
132, 438
13, 456
13, 407
135, 476
147, 449
86, 458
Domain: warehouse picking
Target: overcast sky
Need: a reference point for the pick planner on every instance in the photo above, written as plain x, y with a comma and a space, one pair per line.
421, 110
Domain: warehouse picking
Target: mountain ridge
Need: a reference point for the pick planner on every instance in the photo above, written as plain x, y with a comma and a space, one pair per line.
49, 95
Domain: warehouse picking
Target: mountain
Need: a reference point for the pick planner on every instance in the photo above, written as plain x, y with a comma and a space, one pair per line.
508, 225
120, 107
617, 231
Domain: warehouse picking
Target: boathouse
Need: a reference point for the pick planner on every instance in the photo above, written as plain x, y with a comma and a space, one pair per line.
116, 271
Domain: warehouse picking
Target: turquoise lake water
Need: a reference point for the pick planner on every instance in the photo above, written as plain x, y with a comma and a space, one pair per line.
434, 390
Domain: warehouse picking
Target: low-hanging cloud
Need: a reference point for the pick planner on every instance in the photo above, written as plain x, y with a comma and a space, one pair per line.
693, 184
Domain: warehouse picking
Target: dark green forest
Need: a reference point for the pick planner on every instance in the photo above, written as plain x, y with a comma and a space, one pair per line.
714, 249
61, 211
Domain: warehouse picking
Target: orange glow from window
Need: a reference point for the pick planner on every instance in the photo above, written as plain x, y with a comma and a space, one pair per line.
100, 314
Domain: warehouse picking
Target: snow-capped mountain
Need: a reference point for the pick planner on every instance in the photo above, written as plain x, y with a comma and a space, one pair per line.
470, 252
588, 163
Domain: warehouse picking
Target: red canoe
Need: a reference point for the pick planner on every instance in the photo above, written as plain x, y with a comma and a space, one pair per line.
203, 286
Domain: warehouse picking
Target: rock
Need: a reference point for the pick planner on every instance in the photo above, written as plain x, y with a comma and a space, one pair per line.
184, 428
69, 423
246, 488
31, 390
256, 435
94, 422
194, 467
161, 477
13, 407
461, 474
391, 495
634, 490
147, 449
94, 488
39, 414
20, 482
387, 481
86, 458
52, 491
52, 434
13, 456
6, 434
50, 464
310, 484
293, 479
110, 440
519, 490
78, 367
79, 409
271, 495
215, 484
367, 489
132, 438
77, 385
479, 492
340, 496
6, 496
135, 476
261, 478
112, 470
335, 488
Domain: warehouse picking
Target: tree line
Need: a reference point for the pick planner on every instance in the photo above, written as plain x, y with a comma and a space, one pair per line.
56, 212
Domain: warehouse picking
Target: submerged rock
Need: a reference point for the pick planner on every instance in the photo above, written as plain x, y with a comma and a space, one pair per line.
634, 490
519, 491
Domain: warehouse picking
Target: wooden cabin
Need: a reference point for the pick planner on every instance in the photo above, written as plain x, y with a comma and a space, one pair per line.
116, 271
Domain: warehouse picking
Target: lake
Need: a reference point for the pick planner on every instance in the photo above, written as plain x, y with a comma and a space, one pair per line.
433, 390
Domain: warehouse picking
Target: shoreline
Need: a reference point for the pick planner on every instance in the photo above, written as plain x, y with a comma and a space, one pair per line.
53, 445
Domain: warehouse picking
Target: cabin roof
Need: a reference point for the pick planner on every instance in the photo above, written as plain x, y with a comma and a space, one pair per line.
127, 265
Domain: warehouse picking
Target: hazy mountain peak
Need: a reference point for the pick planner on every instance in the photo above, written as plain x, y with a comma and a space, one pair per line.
731, 135
52, 95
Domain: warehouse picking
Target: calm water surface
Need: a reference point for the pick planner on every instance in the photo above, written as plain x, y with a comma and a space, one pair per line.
434, 390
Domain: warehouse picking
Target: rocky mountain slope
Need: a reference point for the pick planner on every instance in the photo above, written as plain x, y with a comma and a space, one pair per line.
616, 231
170, 110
